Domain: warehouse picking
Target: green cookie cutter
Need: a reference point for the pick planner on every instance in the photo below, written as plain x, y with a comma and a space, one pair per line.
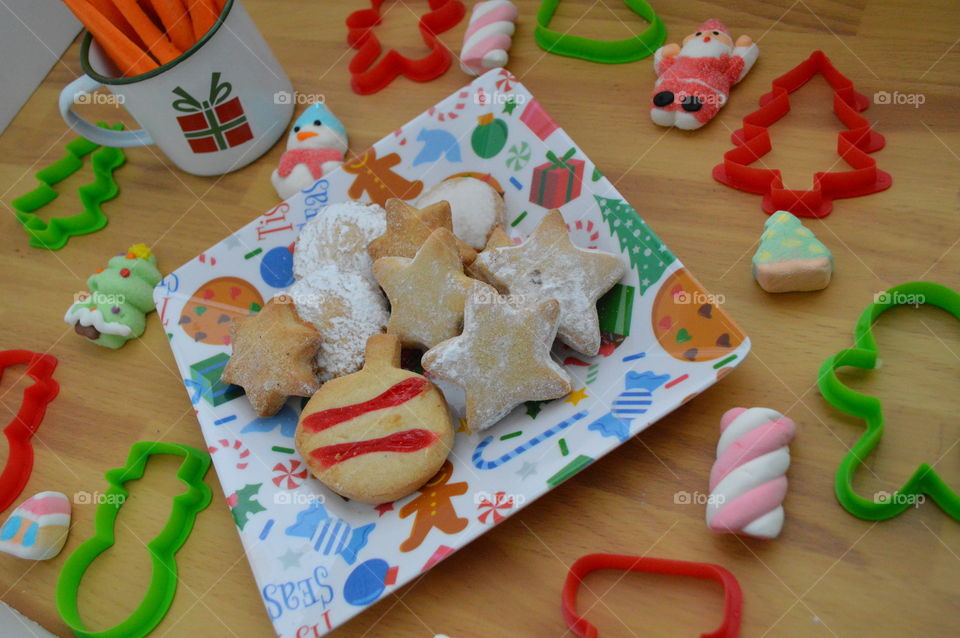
925, 481
53, 235
604, 51
163, 548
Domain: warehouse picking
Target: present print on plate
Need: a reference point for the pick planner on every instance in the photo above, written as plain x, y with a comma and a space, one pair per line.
318, 559
558, 181
214, 123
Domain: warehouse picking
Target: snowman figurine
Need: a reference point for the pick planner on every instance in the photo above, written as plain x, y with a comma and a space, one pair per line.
315, 147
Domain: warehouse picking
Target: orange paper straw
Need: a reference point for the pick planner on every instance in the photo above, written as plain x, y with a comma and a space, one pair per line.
204, 15
176, 20
129, 58
157, 43
116, 18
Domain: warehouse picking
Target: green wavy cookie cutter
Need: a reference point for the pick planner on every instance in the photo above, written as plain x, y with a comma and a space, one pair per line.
53, 235
864, 355
163, 548
603, 51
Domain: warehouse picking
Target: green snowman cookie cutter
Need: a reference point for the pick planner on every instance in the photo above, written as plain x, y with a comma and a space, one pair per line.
163, 548
603, 51
53, 235
864, 355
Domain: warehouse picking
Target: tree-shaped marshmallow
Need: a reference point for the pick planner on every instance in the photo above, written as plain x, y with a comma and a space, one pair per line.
114, 311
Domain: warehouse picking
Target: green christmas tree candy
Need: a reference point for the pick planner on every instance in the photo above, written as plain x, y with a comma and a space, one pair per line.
121, 295
790, 258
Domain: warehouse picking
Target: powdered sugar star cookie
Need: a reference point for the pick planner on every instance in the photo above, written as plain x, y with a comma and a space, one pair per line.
409, 227
427, 293
347, 308
273, 356
503, 356
548, 266
339, 233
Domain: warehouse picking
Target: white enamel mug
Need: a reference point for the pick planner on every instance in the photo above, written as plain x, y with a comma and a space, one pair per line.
217, 107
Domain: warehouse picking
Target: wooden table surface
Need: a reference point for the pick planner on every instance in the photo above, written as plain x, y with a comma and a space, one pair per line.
829, 574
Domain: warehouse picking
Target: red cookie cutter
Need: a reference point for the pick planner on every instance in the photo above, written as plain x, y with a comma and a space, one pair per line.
369, 76
853, 145
21, 429
733, 596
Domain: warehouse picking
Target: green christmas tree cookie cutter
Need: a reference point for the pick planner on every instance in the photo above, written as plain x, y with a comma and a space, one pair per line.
864, 355
53, 235
163, 548
604, 51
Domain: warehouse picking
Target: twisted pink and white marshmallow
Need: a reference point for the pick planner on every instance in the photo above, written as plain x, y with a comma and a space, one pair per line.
748, 481
488, 36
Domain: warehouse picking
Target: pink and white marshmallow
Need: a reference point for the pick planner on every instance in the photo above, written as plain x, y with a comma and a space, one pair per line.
488, 36
748, 481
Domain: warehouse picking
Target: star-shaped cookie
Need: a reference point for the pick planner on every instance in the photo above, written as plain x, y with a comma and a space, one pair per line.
427, 293
503, 356
548, 266
273, 356
409, 227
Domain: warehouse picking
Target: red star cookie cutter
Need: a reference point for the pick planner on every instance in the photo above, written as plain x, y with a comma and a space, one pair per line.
853, 145
21, 429
369, 76
733, 596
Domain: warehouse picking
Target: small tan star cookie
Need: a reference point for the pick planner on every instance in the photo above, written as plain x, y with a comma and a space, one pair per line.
498, 239
273, 356
503, 356
426, 293
409, 227
548, 266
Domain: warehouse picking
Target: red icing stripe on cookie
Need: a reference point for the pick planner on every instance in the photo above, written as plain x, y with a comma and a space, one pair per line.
395, 395
405, 442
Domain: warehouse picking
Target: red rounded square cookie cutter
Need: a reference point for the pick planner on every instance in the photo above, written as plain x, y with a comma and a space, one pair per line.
369, 76
21, 429
853, 145
733, 596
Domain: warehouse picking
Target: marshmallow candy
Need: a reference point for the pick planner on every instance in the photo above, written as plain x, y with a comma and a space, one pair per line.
790, 258
748, 481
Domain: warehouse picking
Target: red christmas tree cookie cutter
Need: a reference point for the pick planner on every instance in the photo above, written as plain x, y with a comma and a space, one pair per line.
21, 429
369, 76
733, 596
853, 145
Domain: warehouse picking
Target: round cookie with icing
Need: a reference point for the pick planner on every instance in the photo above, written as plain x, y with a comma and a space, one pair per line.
121, 295
340, 234
476, 208
688, 324
379, 434
208, 312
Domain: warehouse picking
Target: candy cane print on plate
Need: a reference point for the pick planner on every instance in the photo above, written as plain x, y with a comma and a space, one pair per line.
481, 464
243, 452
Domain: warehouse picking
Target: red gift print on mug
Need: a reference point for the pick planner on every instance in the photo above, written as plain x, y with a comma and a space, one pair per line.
213, 124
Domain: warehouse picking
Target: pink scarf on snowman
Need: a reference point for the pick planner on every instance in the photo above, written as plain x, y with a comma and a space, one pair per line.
312, 158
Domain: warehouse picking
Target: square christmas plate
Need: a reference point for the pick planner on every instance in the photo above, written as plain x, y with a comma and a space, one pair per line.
319, 559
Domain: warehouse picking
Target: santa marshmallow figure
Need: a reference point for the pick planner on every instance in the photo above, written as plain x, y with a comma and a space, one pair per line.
695, 79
